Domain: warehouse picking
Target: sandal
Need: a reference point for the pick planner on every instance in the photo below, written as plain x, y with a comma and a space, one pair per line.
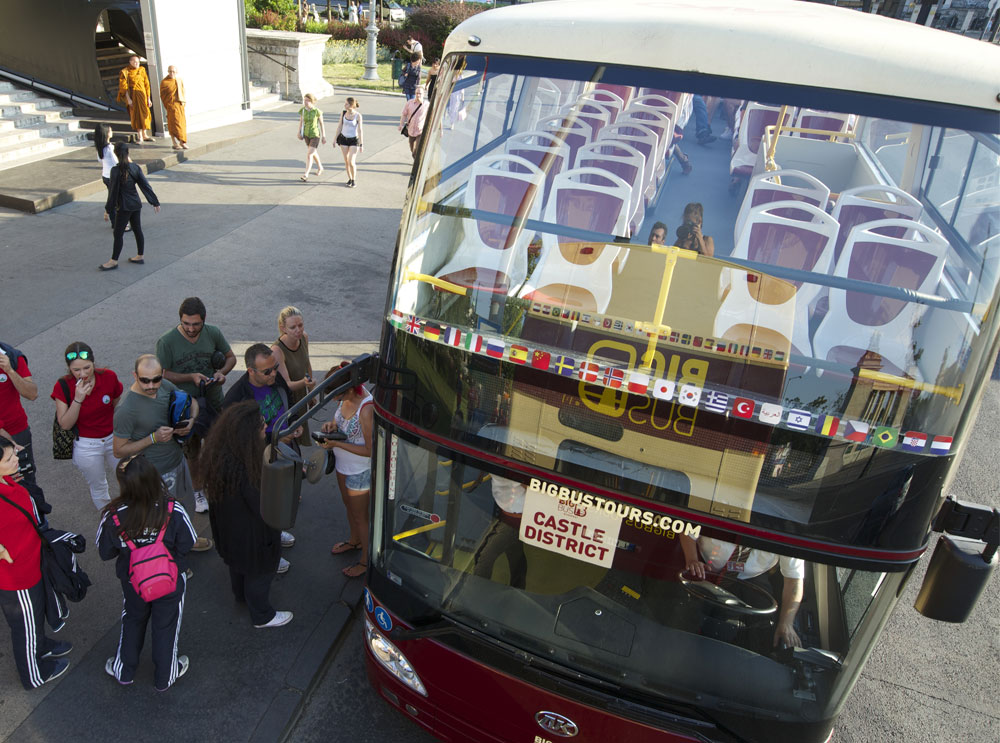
356, 571
341, 547
303, 178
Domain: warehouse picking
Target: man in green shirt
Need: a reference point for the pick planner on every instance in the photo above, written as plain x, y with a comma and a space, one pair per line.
185, 352
143, 426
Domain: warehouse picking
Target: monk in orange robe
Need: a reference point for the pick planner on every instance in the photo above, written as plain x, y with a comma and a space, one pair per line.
135, 92
172, 95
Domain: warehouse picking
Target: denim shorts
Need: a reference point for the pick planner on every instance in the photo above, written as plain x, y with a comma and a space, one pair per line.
361, 481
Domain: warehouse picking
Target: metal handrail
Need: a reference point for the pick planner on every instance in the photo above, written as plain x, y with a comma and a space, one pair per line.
57, 91
265, 54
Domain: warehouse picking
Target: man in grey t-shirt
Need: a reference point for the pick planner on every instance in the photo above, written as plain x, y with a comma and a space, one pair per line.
142, 426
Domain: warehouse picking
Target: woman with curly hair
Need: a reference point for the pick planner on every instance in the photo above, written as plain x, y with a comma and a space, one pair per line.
230, 466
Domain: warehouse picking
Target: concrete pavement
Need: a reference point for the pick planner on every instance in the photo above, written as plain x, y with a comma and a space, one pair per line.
238, 229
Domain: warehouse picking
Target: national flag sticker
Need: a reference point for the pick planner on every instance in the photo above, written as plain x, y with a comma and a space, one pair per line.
689, 395
828, 425
541, 359
663, 389
589, 371
638, 384
770, 413
885, 437
941, 444
856, 431
717, 402
914, 441
743, 407
564, 366
518, 354
613, 378
495, 348
798, 419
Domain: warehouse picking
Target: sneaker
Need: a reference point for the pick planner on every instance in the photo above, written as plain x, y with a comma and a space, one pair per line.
202, 544
109, 668
280, 619
189, 574
62, 665
727, 135
200, 502
706, 138
283, 565
287, 539
182, 667
61, 649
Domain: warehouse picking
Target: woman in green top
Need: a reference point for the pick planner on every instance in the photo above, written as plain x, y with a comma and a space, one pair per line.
311, 131
291, 353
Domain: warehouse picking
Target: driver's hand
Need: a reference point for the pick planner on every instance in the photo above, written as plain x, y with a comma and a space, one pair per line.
785, 633
696, 568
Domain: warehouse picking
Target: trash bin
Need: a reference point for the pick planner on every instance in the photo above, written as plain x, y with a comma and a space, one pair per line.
397, 67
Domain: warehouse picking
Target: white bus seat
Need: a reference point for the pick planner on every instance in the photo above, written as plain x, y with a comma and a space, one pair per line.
574, 133
594, 115
789, 234
605, 101
643, 139
871, 203
828, 121
660, 122
780, 185
858, 322
491, 256
536, 147
626, 162
570, 272
751, 121
624, 92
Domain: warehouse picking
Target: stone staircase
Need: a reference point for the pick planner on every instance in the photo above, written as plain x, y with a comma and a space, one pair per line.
33, 127
262, 96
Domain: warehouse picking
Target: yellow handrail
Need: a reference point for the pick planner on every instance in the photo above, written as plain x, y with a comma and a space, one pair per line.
447, 286
671, 254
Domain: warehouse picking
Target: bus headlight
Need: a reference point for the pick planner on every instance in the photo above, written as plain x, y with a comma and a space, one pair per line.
391, 659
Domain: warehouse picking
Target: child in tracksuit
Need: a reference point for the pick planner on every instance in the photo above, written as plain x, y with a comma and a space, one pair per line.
141, 509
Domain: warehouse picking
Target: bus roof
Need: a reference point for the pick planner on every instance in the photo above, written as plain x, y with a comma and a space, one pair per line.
784, 41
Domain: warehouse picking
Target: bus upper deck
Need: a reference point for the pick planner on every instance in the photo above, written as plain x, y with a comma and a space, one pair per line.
812, 324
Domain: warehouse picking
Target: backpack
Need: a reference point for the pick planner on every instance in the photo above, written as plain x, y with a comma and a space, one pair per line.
180, 410
152, 570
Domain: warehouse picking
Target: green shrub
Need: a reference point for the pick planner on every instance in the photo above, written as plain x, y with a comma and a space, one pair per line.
313, 27
345, 31
281, 7
353, 51
269, 20
437, 20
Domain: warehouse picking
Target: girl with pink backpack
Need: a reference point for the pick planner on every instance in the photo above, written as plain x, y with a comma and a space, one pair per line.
149, 533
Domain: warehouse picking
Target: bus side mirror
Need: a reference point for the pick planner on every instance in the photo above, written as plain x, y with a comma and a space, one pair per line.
961, 566
280, 486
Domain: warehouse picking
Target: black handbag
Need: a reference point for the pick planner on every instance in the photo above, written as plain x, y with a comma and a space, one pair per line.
62, 440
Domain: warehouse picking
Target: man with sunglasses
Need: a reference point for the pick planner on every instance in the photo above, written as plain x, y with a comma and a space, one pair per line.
186, 352
268, 388
15, 383
142, 425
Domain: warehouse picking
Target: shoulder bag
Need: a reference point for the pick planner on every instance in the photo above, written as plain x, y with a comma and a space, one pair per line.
62, 440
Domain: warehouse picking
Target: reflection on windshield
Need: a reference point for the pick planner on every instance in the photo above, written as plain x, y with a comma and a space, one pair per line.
771, 301
673, 609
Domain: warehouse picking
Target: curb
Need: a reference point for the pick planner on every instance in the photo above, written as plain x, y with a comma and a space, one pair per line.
36, 205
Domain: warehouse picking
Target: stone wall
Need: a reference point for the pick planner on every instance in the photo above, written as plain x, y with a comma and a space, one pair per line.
290, 62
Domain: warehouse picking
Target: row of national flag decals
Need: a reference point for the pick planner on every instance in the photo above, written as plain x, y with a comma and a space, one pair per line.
637, 383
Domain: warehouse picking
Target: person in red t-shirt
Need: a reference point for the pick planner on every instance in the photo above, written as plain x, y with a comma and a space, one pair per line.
15, 383
86, 399
22, 595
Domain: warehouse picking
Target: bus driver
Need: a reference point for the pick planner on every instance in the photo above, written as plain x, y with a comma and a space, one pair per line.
743, 563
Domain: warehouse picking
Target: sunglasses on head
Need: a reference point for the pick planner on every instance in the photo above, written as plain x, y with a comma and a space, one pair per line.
74, 355
151, 380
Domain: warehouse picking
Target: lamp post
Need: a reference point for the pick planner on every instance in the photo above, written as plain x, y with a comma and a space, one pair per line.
371, 64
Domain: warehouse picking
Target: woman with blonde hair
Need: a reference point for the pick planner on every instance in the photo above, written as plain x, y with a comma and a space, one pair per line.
291, 353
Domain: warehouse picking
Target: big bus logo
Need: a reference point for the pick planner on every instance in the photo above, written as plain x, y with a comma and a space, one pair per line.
573, 510
556, 724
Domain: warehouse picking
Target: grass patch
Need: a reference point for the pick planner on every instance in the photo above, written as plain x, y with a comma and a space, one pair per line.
349, 75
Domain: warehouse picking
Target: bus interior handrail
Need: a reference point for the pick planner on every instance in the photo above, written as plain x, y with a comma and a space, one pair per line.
362, 369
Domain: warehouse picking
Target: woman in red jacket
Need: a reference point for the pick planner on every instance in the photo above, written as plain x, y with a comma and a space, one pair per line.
22, 596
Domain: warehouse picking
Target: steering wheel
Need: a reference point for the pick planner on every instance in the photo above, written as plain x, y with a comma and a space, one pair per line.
718, 595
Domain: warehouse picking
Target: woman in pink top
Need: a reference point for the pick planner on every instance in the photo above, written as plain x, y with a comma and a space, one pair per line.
412, 118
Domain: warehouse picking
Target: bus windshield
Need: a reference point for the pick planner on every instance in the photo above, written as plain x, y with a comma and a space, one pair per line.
756, 631
767, 303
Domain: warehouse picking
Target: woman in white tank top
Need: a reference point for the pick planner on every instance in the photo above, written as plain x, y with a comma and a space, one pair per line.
353, 418
349, 137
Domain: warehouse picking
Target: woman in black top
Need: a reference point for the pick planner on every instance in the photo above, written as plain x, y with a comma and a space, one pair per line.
123, 198
230, 466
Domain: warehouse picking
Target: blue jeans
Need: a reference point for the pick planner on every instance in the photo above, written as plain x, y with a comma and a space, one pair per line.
702, 127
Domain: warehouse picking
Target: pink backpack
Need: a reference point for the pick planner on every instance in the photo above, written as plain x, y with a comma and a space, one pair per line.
151, 569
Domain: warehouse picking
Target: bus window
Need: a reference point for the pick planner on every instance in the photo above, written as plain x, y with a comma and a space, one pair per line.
479, 545
812, 314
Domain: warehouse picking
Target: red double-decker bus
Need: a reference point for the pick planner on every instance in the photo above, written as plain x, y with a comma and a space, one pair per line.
690, 315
